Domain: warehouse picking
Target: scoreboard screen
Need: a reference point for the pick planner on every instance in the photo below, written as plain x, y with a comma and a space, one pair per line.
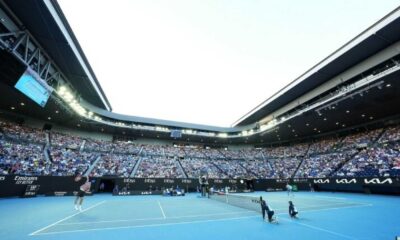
33, 87
176, 133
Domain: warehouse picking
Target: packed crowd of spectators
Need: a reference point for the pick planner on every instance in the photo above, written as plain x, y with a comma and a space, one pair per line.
159, 167
22, 159
283, 168
324, 146
259, 168
175, 151
372, 162
22, 152
360, 139
286, 151
24, 133
195, 167
391, 134
67, 162
98, 145
153, 150
322, 165
126, 147
120, 165
233, 168
252, 154
62, 140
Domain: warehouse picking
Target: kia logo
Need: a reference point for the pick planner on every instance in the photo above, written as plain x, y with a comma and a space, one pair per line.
321, 181
378, 181
345, 181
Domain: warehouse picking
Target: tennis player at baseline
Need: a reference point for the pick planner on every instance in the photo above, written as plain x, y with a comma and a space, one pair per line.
84, 188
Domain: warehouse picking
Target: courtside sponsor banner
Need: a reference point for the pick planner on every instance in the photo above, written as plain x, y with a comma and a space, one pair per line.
378, 181
346, 181
322, 180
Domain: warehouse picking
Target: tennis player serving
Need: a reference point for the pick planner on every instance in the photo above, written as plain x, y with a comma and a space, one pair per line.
84, 188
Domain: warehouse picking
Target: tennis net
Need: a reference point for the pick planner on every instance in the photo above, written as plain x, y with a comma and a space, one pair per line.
242, 201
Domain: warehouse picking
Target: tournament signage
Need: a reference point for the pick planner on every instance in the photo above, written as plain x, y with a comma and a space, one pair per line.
13, 185
171, 181
25, 180
346, 181
378, 181
129, 180
31, 191
186, 181
321, 181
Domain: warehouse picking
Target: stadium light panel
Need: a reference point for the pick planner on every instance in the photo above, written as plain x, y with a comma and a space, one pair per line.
223, 135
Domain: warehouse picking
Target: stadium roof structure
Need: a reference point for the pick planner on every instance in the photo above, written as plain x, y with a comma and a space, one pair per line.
357, 84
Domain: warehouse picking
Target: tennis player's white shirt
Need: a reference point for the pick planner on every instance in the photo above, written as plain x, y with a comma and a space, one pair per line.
288, 187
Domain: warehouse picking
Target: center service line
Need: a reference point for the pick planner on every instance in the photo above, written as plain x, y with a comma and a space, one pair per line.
162, 210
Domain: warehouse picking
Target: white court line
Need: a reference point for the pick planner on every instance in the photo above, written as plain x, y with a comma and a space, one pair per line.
149, 225
144, 219
340, 198
162, 210
188, 222
321, 229
326, 209
66, 218
333, 207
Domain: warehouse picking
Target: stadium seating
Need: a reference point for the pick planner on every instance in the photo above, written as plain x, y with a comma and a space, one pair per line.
29, 151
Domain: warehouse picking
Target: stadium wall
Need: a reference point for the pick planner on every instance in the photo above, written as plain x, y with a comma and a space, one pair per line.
14, 185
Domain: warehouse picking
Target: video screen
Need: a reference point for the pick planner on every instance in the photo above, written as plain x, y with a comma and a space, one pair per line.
30, 85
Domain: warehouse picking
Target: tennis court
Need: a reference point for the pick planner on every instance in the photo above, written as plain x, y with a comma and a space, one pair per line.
322, 216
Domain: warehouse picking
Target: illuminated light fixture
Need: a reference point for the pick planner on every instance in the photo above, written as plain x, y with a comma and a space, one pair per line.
363, 115
49, 118
223, 135
188, 131
388, 85
315, 129
371, 117
263, 127
307, 124
22, 104
325, 119
57, 111
348, 111
343, 125
12, 108
78, 125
